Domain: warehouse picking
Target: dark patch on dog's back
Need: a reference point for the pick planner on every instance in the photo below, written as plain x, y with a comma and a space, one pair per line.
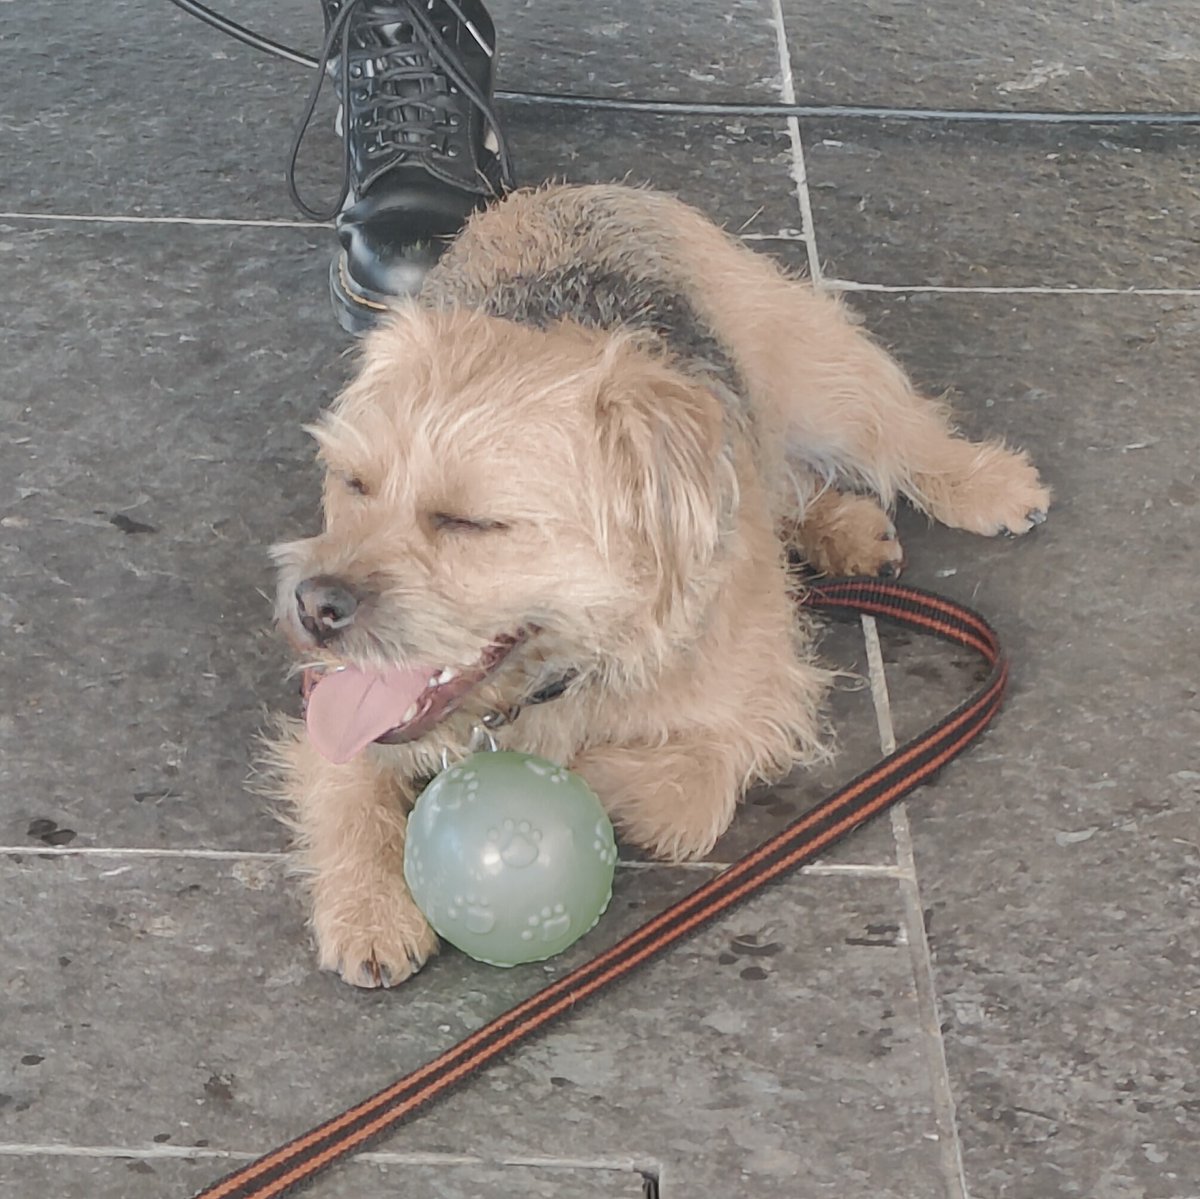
605, 299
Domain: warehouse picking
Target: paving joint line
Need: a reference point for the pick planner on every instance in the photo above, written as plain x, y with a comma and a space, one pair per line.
804, 236
133, 219
787, 91
378, 1156
826, 869
82, 218
880, 698
869, 112
920, 958
1003, 290
138, 851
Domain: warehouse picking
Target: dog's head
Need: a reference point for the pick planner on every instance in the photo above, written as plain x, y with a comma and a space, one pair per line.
500, 500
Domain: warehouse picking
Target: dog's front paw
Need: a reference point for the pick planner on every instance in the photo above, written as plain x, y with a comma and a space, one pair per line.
852, 536
673, 800
379, 945
668, 840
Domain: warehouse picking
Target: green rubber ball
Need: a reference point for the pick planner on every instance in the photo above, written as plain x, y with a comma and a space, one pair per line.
510, 857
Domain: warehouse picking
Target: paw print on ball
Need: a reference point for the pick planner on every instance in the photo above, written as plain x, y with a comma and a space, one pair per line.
414, 863
517, 843
547, 925
474, 912
604, 845
451, 792
546, 770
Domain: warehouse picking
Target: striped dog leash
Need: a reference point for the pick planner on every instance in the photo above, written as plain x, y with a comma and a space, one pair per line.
286, 1169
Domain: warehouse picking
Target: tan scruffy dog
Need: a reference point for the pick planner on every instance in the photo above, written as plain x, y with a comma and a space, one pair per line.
563, 473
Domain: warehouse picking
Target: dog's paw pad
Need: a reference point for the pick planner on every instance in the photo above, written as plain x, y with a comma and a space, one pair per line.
370, 962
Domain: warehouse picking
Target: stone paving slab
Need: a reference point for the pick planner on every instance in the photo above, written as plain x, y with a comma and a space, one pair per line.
999, 205
175, 1001
1061, 54
721, 52
718, 51
1060, 863
148, 460
150, 1177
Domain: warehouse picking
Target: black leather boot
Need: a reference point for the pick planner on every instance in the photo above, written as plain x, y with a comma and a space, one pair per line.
424, 148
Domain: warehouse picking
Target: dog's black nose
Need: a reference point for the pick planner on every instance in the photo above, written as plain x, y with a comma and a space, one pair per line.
326, 606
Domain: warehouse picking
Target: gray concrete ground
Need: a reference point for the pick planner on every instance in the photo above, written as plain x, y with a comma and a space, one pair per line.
994, 994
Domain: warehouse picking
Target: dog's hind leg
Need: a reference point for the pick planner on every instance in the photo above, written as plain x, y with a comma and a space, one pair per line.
839, 406
849, 411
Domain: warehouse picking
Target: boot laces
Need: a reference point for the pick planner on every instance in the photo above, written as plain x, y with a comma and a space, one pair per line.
408, 93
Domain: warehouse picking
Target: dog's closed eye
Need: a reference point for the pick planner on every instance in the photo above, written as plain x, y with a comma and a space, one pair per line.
448, 522
354, 483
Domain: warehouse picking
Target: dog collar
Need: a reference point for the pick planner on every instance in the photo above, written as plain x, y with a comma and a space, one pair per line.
543, 695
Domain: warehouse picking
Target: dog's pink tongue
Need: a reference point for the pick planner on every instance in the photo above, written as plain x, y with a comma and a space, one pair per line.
349, 708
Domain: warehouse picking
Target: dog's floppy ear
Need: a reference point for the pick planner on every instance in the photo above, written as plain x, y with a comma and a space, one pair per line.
669, 478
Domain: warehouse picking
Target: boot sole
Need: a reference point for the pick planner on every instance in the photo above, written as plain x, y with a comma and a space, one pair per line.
357, 311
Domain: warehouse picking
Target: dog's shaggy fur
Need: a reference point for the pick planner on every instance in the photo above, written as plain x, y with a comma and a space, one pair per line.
589, 432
